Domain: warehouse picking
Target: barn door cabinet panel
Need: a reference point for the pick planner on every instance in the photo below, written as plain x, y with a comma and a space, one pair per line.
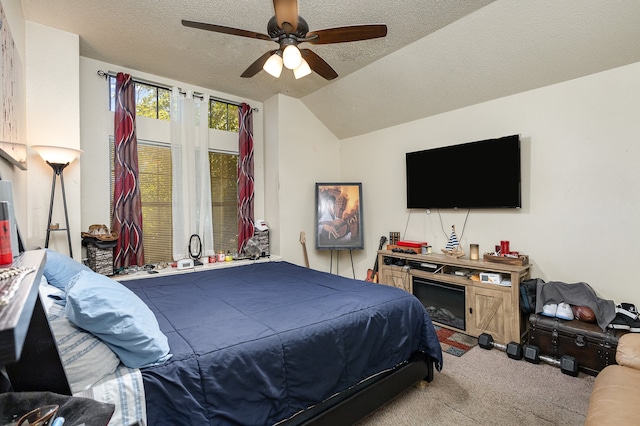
488, 312
396, 276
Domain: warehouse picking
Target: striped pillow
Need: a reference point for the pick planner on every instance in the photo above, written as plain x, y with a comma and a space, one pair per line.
86, 359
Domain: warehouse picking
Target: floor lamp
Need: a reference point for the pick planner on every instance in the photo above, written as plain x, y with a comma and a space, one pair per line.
58, 158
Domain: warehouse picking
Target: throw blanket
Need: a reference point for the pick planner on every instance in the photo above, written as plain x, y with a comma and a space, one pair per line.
579, 294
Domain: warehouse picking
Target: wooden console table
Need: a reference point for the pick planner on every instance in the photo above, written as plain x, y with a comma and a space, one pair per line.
489, 308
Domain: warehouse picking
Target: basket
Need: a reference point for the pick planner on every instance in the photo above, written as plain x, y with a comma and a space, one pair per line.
100, 260
262, 238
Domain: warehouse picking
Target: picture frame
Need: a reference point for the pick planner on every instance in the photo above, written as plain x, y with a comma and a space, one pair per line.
12, 146
339, 216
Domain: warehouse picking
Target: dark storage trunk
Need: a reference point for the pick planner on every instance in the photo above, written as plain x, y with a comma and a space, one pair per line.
592, 348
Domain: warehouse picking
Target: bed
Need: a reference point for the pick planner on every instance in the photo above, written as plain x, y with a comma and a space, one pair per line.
269, 340
274, 343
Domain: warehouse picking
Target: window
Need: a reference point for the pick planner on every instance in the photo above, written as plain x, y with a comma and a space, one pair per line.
223, 115
151, 101
154, 101
154, 163
224, 200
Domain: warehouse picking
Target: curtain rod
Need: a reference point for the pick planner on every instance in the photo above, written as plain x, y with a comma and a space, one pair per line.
106, 74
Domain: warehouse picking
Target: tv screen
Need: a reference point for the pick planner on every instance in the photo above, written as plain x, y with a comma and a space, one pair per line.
482, 174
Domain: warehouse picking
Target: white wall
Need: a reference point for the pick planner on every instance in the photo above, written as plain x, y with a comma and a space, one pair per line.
97, 124
272, 171
53, 118
581, 150
300, 151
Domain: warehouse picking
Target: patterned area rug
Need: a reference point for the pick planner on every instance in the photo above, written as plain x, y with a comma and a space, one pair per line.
454, 342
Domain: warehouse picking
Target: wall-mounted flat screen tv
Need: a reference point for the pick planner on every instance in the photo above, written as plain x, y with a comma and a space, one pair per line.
482, 174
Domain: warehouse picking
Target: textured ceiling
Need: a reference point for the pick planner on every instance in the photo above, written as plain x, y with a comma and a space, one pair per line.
438, 55
505, 48
147, 35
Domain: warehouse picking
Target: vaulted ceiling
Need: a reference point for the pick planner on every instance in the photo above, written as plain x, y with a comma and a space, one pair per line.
438, 55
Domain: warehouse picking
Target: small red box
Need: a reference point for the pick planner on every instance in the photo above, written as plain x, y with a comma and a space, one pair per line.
412, 244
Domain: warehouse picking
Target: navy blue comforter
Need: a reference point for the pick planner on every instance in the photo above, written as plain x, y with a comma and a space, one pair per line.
253, 345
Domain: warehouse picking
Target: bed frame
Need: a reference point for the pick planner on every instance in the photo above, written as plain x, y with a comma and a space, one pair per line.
32, 362
363, 399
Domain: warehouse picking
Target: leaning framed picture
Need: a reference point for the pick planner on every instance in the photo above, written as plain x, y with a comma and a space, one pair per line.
339, 216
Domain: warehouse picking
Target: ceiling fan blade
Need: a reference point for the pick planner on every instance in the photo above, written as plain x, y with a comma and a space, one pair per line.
350, 33
225, 30
286, 14
256, 67
318, 65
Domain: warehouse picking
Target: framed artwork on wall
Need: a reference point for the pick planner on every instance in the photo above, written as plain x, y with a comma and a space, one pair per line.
339, 216
12, 145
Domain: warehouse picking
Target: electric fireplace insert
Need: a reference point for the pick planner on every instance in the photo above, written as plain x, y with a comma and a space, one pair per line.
444, 302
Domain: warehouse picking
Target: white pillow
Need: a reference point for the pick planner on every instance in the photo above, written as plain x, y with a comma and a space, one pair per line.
85, 358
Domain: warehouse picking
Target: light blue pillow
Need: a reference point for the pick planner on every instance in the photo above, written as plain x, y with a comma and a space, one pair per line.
118, 317
60, 268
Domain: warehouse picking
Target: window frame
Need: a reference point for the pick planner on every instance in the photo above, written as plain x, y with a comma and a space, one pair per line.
219, 243
228, 123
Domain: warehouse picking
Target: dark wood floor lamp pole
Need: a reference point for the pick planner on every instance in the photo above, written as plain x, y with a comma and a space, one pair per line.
58, 158
57, 171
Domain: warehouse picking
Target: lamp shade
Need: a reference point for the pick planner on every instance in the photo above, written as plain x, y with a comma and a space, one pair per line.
273, 65
57, 154
291, 57
302, 70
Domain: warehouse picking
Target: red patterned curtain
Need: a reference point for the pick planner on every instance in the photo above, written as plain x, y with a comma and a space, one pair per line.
245, 177
127, 210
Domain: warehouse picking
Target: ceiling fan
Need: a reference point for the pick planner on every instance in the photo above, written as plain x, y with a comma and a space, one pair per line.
288, 29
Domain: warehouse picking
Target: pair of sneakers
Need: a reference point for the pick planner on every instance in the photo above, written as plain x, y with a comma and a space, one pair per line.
558, 310
626, 318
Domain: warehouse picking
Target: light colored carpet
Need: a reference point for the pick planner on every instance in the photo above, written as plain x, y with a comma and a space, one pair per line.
488, 388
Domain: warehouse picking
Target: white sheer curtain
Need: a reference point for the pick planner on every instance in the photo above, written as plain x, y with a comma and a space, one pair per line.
191, 203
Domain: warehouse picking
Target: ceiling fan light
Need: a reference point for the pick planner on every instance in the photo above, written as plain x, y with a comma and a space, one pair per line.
291, 57
273, 65
302, 70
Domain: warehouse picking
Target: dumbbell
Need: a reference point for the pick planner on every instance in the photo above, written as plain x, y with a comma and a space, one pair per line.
513, 349
531, 353
568, 364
